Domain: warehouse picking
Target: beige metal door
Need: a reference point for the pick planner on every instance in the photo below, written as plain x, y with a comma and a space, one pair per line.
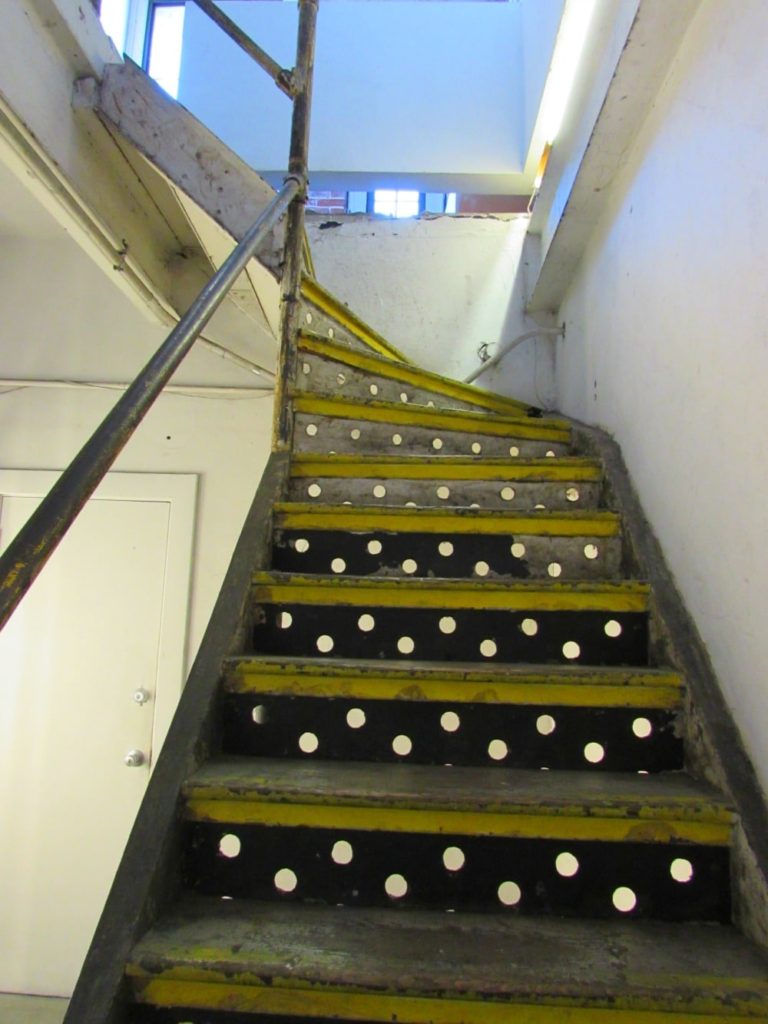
82, 667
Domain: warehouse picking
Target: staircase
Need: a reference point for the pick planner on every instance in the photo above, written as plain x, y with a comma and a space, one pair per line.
448, 784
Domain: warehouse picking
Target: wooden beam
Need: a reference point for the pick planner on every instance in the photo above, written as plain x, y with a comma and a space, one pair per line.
194, 159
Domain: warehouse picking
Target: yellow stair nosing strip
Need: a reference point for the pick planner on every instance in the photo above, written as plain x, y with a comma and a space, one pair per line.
435, 383
272, 588
468, 674
528, 694
565, 470
320, 297
203, 804
437, 419
302, 515
207, 989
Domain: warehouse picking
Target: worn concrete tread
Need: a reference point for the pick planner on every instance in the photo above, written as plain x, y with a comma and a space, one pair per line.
296, 514
445, 467
407, 592
379, 366
453, 671
673, 796
313, 292
704, 969
519, 685
465, 420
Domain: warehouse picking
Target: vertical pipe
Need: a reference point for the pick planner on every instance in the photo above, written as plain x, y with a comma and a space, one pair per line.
294, 235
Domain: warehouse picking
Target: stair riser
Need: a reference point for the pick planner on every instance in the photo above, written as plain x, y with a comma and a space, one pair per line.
315, 319
486, 635
333, 379
321, 435
447, 555
488, 862
526, 495
448, 733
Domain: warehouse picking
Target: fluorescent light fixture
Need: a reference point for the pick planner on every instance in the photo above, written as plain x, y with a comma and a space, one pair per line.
569, 45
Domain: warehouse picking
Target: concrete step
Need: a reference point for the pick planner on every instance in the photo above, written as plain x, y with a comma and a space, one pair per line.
569, 843
451, 620
310, 963
567, 483
342, 427
442, 543
522, 717
335, 371
324, 314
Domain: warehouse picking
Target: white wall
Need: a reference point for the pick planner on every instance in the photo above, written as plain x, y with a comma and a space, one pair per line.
667, 343
438, 288
401, 88
63, 319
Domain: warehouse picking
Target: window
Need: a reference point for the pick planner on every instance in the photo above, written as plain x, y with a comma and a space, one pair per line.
162, 43
397, 202
114, 18
385, 202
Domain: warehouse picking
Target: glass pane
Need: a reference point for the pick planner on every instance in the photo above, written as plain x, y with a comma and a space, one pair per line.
385, 201
395, 203
114, 18
165, 46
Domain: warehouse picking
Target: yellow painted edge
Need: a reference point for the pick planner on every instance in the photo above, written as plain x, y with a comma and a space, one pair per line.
335, 517
331, 306
306, 249
283, 998
619, 597
282, 668
703, 824
520, 693
415, 416
511, 471
412, 375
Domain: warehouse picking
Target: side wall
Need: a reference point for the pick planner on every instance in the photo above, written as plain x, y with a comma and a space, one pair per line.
667, 339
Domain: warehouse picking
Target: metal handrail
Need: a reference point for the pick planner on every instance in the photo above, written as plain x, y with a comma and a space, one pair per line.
37, 540
283, 78
508, 346
295, 234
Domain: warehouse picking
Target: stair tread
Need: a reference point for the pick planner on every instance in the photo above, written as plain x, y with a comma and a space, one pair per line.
413, 414
450, 520
695, 968
316, 344
455, 683
407, 591
313, 292
459, 671
437, 467
674, 796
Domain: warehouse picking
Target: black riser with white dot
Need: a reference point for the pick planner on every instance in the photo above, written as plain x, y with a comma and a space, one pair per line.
460, 872
512, 736
448, 555
326, 434
469, 635
506, 495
